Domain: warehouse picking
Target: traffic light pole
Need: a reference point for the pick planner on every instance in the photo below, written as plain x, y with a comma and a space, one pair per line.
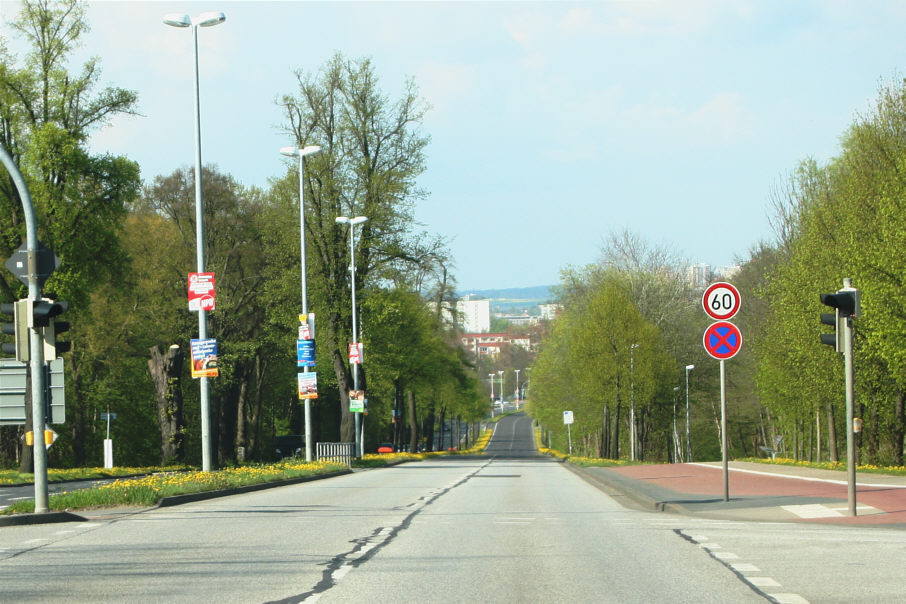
36, 362
849, 371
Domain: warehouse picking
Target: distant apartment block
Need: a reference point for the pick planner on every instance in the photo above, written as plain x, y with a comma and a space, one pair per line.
549, 312
474, 313
702, 275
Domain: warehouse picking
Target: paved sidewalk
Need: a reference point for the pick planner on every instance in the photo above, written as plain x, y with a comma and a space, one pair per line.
759, 492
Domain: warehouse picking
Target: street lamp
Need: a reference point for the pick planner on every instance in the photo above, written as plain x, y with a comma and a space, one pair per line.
302, 153
207, 19
491, 379
676, 449
517, 388
500, 373
632, 435
359, 428
688, 436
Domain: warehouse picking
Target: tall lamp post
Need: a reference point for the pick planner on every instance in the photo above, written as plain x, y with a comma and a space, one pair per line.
688, 434
632, 434
359, 428
206, 19
491, 379
676, 447
500, 374
517, 388
302, 154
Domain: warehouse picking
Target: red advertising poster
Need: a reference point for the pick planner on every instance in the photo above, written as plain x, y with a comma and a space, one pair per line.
201, 291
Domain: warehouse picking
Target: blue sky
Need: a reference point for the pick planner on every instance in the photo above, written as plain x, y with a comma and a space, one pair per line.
553, 123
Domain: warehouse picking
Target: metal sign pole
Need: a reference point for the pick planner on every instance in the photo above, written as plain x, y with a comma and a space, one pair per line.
723, 428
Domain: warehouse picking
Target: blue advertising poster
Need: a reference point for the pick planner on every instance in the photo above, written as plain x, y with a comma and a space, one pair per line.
305, 353
204, 358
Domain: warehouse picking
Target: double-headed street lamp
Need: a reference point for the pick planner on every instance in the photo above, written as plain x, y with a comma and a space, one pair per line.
359, 428
207, 19
302, 154
688, 434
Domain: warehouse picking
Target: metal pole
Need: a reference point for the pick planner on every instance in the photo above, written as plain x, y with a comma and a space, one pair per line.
355, 366
205, 395
36, 362
308, 452
850, 403
688, 431
632, 437
569, 435
723, 428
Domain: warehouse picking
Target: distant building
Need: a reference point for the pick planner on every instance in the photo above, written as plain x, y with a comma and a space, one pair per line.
489, 344
474, 313
700, 275
549, 312
727, 272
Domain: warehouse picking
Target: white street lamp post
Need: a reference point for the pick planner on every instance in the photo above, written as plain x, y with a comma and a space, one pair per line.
500, 374
302, 153
207, 19
491, 379
688, 433
676, 446
517, 388
359, 427
632, 430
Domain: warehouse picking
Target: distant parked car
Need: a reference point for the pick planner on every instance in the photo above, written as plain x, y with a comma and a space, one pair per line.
385, 448
289, 445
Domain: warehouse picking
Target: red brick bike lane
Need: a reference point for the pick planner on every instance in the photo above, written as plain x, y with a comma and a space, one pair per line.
699, 488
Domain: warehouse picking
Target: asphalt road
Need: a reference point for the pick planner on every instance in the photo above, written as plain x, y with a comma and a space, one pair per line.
508, 527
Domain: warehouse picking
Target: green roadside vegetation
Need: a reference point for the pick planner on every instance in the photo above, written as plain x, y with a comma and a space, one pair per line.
830, 465
143, 487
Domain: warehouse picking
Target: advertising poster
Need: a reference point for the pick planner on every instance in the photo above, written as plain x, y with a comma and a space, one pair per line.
305, 353
308, 385
201, 291
355, 353
357, 401
204, 358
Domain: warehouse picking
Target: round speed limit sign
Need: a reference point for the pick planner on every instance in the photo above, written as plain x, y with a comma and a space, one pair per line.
721, 301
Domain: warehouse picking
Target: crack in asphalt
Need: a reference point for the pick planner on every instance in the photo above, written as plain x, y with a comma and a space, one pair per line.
365, 548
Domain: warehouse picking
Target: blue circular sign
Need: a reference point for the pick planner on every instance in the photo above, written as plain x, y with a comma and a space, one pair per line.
722, 340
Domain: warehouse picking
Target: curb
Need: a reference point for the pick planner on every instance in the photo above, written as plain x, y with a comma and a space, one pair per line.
617, 489
51, 517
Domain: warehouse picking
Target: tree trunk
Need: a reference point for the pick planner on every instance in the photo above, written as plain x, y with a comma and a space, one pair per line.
166, 374
429, 428
897, 432
241, 404
604, 445
344, 383
615, 439
831, 434
413, 424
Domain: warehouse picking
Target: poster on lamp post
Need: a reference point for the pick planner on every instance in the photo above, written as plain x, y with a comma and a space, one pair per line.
201, 291
308, 385
355, 353
305, 353
204, 358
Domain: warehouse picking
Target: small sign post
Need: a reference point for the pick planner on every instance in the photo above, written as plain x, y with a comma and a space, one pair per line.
568, 420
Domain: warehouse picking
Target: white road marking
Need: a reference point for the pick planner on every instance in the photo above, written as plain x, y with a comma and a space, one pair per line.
744, 567
789, 598
812, 510
762, 581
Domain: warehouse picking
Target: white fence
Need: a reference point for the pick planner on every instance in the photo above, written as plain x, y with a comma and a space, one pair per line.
338, 452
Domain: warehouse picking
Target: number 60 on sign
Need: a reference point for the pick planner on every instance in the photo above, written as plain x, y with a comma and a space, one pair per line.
721, 301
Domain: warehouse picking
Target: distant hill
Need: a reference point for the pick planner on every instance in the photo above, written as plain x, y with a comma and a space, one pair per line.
538, 293
514, 299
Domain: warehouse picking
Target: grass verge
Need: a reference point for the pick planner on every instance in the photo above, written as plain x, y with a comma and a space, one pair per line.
829, 465
148, 490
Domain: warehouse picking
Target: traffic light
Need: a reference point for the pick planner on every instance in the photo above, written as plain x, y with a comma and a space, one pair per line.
45, 315
18, 328
847, 305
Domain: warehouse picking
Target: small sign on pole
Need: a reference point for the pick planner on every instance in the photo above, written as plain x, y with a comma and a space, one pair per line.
308, 385
721, 301
355, 353
201, 291
204, 358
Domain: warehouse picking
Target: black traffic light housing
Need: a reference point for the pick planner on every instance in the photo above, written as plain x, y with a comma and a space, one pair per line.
45, 313
847, 305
